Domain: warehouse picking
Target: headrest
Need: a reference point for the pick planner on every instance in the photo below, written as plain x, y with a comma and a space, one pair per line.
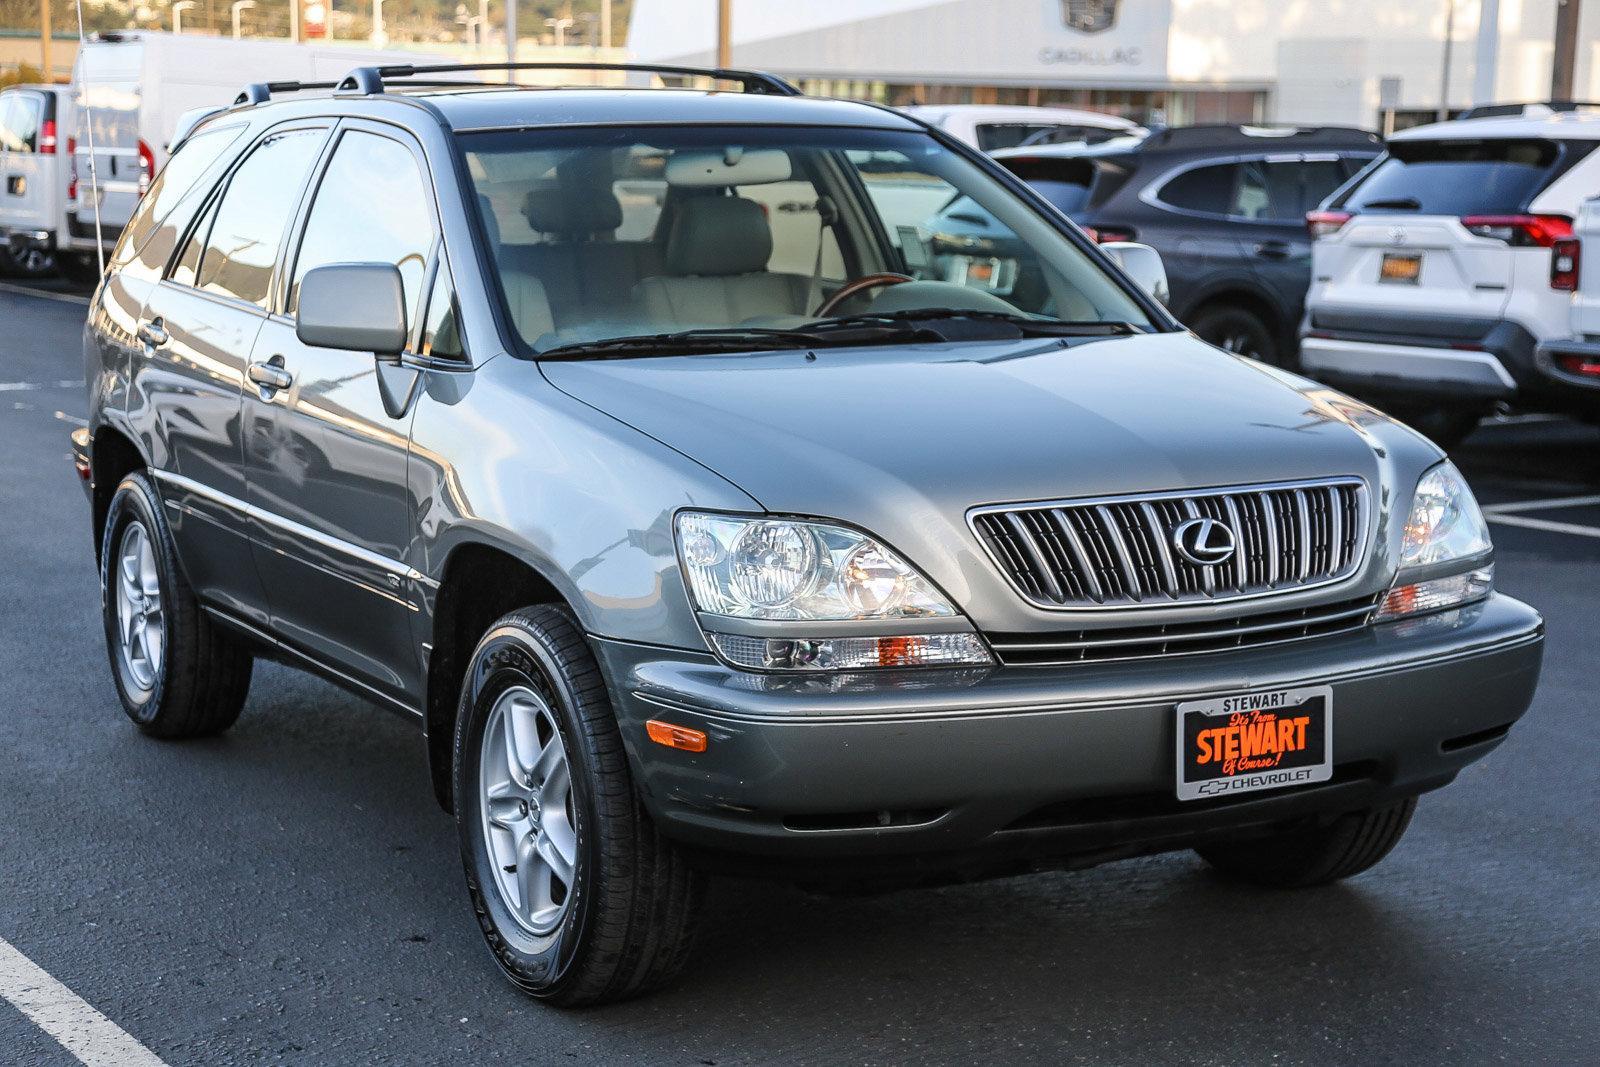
728, 166
580, 201
567, 211
718, 235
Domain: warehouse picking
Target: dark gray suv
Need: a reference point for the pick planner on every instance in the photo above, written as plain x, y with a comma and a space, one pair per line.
708, 513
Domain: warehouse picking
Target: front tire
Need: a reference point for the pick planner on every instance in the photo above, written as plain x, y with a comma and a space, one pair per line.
178, 674
580, 898
1315, 855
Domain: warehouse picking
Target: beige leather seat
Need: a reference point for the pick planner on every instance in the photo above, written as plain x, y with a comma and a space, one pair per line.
525, 295
716, 258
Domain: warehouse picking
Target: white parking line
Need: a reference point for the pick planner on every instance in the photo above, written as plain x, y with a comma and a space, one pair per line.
61, 1013
1545, 524
23, 290
1540, 505
28, 387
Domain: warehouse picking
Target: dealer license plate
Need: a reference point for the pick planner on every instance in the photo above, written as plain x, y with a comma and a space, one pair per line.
1266, 740
1400, 268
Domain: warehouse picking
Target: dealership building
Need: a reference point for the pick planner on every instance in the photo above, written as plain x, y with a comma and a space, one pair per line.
1344, 62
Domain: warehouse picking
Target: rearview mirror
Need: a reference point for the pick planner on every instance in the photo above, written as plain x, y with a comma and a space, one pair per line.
356, 306
1142, 264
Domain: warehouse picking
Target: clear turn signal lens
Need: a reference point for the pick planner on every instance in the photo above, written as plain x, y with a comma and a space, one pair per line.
851, 653
1436, 594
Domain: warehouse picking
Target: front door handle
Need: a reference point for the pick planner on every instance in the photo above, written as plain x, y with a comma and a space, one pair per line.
153, 333
270, 376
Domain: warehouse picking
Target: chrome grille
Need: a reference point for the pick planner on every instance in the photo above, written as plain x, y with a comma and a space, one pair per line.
1119, 552
1177, 639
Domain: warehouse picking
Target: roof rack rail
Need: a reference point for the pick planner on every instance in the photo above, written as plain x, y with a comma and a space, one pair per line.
1222, 135
1516, 110
261, 92
366, 81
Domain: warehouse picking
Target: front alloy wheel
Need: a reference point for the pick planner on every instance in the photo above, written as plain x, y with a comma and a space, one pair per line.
140, 624
526, 801
579, 897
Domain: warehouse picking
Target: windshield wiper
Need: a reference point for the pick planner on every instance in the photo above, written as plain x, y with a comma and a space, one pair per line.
734, 339
1396, 203
891, 327
1027, 325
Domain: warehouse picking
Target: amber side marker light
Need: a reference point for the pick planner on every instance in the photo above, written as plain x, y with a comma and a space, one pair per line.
679, 737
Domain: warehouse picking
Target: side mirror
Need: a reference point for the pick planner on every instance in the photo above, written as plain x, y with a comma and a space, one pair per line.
1142, 264
356, 306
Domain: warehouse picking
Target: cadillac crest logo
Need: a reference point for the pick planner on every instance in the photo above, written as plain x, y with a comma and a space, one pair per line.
1089, 16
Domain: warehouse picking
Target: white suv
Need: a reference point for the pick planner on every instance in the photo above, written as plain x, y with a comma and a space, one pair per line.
1444, 273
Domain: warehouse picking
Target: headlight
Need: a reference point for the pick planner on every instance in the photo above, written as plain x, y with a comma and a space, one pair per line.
1444, 526
1444, 523
789, 570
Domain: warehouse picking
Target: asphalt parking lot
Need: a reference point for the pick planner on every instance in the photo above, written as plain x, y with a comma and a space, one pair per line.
290, 892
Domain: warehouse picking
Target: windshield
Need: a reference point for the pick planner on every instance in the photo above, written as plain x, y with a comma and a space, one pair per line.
607, 233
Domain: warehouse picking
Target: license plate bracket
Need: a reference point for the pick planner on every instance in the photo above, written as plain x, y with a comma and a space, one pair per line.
1269, 739
1401, 268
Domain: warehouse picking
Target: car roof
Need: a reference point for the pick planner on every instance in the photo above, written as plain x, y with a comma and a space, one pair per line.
1017, 113
478, 107
1567, 125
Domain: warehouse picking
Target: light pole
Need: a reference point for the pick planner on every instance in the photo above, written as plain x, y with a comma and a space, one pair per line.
380, 36
240, 5
483, 23
177, 14
1449, 45
560, 26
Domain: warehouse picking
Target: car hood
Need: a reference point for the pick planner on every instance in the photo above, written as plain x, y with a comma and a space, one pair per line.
904, 440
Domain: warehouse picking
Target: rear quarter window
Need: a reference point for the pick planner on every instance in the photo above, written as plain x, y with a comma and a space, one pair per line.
1462, 177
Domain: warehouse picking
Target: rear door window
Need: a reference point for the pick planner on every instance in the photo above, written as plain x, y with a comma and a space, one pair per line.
248, 229
19, 122
1465, 177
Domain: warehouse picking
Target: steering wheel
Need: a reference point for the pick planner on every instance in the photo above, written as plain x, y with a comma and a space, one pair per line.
856, 286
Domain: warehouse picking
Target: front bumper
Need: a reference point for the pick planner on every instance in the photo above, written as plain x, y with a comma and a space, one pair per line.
974, 772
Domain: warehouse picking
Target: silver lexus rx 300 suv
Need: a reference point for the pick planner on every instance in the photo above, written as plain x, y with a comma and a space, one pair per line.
710, 510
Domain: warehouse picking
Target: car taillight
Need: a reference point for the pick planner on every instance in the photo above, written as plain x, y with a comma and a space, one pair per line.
1564, 260
1107, 234
1575, 364
47, 137
1520, 231
72, 169
147, 167
1325, 223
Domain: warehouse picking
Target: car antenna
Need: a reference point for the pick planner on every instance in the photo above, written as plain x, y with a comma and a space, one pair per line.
94, 171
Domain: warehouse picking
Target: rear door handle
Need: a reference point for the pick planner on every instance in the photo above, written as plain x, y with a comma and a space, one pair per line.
153, 333
270, 375
1273, 249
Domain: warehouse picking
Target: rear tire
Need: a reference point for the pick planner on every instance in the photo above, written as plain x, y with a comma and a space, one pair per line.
1445, 427
178, 673
1236, 330
34, 262
580, 898
1316, 855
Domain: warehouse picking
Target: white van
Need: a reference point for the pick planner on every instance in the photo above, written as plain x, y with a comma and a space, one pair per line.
1441, 273
36, 129
988, 127
133, 88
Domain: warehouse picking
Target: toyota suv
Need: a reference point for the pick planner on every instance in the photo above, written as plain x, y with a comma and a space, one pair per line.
1443, 280
703, 521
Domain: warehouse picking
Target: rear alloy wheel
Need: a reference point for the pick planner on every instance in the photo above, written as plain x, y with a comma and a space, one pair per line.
1238, 331
177, 672
581, 899
1317, 854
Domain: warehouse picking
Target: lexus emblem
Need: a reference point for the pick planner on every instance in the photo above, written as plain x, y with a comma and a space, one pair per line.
1203, 542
